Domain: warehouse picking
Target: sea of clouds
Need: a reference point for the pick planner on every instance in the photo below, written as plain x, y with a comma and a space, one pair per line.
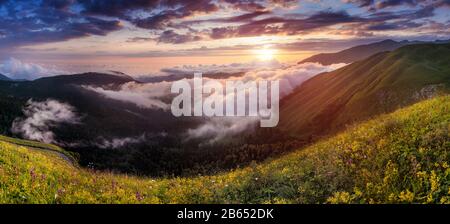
150, 95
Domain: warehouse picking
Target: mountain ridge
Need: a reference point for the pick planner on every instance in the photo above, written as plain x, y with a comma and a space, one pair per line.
378, 84
361, 52
88, 78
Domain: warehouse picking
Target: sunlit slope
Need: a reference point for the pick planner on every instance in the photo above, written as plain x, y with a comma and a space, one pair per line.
355, 53
399, 157
380, 84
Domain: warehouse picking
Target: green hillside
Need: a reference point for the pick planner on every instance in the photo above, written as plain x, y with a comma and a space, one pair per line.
395, 158
380, 84
355, 53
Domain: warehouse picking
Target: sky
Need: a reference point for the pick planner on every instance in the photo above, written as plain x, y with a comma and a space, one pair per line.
144, 36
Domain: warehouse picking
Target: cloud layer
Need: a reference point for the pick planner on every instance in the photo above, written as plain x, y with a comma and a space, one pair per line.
16, 69
143, 95
217, 128
223, 68
41, 117
151, 95
292, 76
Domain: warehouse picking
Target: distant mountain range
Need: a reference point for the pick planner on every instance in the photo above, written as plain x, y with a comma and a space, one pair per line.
90, 78
360, 52
379, 84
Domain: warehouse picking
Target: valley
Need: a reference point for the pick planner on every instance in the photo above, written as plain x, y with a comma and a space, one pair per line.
400, 157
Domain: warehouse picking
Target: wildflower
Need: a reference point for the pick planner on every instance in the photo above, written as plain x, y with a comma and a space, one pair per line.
349, 161
406, 196
33, 174
139, 197
434, 179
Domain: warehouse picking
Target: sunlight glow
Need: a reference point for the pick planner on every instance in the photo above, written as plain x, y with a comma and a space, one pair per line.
265, 54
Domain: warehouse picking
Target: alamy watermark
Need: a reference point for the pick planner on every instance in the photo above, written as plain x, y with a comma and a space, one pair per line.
236, 99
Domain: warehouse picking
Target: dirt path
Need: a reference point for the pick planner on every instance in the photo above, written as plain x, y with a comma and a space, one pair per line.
63, 156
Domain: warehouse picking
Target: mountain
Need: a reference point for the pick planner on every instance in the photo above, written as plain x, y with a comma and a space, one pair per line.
356, 53
4, 78
90, 78
396, 158
379, 84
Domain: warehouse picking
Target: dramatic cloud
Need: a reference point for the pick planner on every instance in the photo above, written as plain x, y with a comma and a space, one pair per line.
29, 22
177, 21
170, 36
41, 117
287, 26
381, 4
16, 69
143, 95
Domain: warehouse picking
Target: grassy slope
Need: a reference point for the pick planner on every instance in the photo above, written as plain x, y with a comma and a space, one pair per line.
380, 84
399, 157
355, 53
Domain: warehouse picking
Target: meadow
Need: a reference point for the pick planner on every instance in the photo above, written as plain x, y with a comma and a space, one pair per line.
402, 157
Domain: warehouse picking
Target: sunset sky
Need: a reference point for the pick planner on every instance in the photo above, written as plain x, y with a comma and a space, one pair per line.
151, 34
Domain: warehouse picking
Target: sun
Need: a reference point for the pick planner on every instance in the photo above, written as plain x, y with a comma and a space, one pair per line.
265, 54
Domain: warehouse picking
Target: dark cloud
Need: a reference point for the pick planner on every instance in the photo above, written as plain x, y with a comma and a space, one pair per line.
390, 3
393, 26
170, 36
171, 21
139, 39
276, 25
57, 4
381, 4
49, 24
362, 3
258, 5
116, 7
167, 10
247, 17
184, 9
377, 21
